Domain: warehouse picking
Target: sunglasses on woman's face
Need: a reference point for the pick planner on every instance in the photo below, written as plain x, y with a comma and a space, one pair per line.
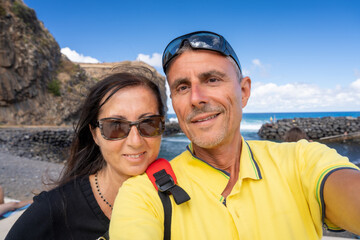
116, 128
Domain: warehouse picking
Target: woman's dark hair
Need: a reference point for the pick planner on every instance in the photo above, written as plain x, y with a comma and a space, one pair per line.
85, 156
295, 134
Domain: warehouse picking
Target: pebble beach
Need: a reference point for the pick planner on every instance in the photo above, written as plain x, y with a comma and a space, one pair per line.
22, 178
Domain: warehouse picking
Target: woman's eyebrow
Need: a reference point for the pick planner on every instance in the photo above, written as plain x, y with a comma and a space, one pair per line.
118, 116
125, 118
146, 115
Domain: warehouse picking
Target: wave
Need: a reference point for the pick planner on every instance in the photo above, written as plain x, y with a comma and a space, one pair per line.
179, 139
253, 125
173, 119
246, 125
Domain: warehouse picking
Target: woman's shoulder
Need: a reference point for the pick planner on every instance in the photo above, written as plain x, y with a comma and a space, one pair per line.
63, 191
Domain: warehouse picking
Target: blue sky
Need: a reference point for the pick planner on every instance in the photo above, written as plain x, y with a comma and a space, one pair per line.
301, 55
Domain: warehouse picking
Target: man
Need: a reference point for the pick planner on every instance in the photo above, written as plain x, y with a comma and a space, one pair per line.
239, 189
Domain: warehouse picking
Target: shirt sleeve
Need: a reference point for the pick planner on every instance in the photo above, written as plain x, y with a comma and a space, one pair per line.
35, 222
316, 162
138, 211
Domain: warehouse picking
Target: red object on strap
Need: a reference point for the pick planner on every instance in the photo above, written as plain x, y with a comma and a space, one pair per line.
158, 165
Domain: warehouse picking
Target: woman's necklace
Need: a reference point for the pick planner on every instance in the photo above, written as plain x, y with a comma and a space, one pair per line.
98, 189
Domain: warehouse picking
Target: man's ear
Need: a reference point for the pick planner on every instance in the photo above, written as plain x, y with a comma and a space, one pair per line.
245, 90
94, 134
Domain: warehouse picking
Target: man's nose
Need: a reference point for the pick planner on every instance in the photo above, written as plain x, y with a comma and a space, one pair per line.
199, 95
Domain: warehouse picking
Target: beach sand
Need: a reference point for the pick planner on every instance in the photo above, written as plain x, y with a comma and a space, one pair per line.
22, 178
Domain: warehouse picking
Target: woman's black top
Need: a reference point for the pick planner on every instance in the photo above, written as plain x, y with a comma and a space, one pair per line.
66, 212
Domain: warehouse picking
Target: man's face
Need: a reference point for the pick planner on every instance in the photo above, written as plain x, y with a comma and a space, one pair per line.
207, 97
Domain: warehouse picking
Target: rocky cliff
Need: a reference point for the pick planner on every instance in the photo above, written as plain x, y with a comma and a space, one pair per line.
30, 62
38, 85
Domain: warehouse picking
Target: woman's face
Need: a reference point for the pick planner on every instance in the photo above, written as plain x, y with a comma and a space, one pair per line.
129, 156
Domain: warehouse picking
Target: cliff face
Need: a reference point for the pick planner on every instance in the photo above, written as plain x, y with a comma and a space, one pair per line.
39, 85
28, 54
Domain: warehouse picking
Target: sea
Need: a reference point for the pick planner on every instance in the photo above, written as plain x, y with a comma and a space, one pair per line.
174, 145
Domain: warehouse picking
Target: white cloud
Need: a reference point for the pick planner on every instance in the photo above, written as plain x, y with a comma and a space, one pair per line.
356, 84
297, 97
257, 68
256, 62
78, 57
154, 61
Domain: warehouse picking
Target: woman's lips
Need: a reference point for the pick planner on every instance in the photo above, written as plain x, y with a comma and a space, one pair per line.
137, 155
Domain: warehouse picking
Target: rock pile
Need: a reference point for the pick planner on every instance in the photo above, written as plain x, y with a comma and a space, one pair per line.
315, 128
45, 144
172, 128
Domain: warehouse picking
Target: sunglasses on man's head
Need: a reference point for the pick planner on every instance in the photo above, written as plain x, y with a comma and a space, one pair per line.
199, 40
116, 128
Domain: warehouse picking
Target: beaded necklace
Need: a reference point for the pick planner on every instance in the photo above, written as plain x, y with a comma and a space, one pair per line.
98, 190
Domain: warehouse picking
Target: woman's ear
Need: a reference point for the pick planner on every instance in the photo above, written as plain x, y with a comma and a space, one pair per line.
94, 134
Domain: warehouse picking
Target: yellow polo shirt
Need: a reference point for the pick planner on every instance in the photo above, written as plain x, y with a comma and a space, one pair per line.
278, 196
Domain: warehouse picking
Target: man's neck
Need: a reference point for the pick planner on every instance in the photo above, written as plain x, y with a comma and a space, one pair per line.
225, 157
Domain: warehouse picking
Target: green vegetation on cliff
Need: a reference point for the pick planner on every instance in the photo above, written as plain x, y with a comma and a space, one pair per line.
2, 11
54, 87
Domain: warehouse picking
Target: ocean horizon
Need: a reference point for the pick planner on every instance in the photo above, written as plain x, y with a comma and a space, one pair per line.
173, 145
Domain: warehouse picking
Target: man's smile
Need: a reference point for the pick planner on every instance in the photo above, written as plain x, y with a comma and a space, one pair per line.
203, 118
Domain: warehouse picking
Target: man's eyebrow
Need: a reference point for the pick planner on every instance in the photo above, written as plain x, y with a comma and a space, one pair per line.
179, 81
211, 73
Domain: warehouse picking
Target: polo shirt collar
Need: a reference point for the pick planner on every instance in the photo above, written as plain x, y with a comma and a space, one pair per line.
208, 176
191, 150
249, 168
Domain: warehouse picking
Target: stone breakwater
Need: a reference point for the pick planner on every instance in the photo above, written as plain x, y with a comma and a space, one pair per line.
315, 128
50, 144
38, 143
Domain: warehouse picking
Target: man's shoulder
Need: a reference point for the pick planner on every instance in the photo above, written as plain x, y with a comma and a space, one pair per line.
279, 146
179, 159
261, 145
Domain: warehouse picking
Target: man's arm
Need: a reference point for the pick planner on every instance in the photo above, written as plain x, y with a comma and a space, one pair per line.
342, 199
138, 212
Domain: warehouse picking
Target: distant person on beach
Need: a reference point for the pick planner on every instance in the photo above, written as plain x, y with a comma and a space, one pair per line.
118, 135
7, 207
295, 134
239, 189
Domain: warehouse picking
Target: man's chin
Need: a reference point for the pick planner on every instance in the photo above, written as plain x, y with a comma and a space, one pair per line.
207, 142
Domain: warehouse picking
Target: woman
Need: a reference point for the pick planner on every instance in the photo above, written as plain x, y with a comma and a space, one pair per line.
118, 136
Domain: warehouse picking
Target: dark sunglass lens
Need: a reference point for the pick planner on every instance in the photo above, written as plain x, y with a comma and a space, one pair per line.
205, 40
114, 129
151, 127
171, 50
174, 47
